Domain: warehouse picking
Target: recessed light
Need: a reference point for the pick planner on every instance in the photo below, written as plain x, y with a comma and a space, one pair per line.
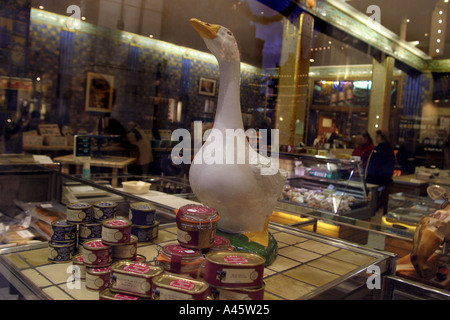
440, 20
408, 20
437, 50
41, 7
439, 30
438, 40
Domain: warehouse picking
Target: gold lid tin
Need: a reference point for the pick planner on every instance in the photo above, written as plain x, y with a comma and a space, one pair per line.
170, 286
135, 278
234, 269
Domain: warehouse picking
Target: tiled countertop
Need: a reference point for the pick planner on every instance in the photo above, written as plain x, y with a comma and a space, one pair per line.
306, 265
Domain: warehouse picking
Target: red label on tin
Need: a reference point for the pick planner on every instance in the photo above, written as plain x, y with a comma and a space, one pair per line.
180, 250
106, 269
220, 241
117, 223
79, 259
233, 259
182, 284
137, 268
122, 296
96, 244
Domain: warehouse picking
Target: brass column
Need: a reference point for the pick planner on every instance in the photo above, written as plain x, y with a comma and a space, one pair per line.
293, 79
380, 95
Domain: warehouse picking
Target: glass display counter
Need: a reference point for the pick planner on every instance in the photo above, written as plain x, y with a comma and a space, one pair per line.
309, 265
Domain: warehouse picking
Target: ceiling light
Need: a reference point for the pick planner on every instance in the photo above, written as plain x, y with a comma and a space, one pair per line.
83, 18
438, 40
441, 12
439, 30
440, 20
41, 7
437, 50
426, 34
311, 60
407, 20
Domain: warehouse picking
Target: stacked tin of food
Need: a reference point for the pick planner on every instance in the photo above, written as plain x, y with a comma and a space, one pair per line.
208, 258
144, 224
63, 244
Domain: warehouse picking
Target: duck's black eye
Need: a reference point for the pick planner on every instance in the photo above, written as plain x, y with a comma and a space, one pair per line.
229, 33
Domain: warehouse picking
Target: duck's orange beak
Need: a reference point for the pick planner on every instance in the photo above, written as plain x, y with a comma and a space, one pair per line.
204, 29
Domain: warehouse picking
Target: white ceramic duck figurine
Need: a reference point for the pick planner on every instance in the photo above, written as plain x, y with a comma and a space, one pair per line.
244, 197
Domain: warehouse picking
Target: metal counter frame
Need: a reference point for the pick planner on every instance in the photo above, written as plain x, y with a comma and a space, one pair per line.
308, 266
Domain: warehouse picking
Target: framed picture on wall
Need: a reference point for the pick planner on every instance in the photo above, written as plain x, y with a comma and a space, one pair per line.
207, 86
99, 92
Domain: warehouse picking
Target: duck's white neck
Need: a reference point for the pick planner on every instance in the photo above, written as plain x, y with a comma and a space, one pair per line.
228, 114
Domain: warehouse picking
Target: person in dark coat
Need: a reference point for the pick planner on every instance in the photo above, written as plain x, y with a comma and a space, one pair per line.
381, 162
380, 167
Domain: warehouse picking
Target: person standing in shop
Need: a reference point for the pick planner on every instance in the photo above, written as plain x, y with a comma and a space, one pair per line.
142, 150
364, 148
380, 167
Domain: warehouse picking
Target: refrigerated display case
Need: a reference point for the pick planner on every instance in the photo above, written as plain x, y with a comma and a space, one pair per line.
329, 185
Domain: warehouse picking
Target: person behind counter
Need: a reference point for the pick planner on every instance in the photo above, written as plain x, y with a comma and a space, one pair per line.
380, 167
142, 150
364, 148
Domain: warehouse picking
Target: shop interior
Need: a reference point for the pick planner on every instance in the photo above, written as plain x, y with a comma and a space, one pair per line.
91, 93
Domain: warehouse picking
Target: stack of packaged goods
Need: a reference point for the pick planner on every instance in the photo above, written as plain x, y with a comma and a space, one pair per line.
203, 265
144, 225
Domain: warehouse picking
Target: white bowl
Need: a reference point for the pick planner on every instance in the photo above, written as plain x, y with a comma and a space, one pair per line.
137, 187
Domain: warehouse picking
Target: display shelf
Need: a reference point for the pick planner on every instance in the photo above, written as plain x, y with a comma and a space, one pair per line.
308, 266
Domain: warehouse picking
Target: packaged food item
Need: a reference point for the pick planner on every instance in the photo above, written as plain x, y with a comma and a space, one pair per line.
140, 258
104, 210
107, 294
98, 278
133, 278
196, 226
90, 230
169, 286
96, 253
61, 251
125, 250
80, 212
180, 260
145, 233
79, 267
221, 244
116, 230
63, 231
225, 293
234, 269
142, 213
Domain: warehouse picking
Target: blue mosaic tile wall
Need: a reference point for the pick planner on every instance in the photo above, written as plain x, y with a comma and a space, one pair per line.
143, 68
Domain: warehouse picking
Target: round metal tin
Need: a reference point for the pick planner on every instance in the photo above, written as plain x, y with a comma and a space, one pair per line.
142, 213
96, 253
116, 230
79, 263
221, 244
63, 231
133, 278
234, 269
79, 212
126, 250
175, 287
90, 230
104, 210
61, 251
98, 278
145, 233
